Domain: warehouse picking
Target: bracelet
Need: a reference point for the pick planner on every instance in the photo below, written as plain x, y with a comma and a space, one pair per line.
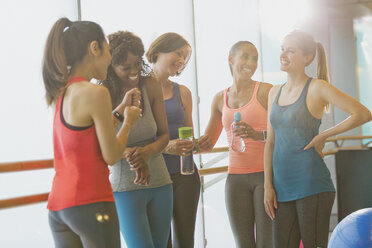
118, 115
264, 134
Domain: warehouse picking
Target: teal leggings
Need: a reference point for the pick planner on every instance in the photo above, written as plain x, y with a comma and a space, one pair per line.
145, 216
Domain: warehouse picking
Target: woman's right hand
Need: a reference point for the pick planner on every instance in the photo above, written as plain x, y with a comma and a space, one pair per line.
142, 176
270, 202
132, 114
205, 143
132, 98
180, 147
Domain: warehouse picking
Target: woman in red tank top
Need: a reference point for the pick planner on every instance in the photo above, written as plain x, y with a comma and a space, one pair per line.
244, 189
81, 204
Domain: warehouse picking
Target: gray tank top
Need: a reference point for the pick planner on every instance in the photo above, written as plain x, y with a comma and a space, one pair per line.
142, 134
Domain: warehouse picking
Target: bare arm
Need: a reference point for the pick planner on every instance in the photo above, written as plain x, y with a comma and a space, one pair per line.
131, 98
158, 109
177, 146
270, 195
214, 128
141, 155
99, 108
330, 94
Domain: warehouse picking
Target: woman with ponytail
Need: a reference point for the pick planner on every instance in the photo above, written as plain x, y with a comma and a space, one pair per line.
81, 205
299, 192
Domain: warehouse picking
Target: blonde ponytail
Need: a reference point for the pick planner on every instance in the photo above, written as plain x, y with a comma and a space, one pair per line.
322, 72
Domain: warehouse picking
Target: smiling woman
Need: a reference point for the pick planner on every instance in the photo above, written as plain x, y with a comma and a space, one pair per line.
141, 183
299, 192
248, 98
169, 54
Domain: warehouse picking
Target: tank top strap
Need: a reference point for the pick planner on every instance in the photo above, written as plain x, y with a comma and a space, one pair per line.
255, 90
177, 92
76, 79
306, 88
225, 97
278, 94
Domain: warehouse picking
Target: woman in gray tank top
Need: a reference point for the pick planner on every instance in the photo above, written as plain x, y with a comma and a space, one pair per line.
140, 180
299, 193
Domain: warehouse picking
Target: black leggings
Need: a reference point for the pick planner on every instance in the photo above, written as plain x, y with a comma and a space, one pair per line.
245, 206
186, 191
306, 219
91, 226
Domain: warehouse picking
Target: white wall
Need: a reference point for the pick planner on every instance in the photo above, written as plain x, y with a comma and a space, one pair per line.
26, 122
26, 129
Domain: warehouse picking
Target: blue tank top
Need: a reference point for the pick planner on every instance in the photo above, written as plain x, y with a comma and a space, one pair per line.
176, 119
297, 173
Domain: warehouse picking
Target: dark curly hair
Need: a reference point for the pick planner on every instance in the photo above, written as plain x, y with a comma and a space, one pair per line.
121, 43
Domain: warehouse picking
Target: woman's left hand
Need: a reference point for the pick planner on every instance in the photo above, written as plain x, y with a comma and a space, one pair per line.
318, 143
137, 157
246, 131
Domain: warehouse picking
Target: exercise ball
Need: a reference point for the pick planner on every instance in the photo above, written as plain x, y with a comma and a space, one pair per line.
354, 231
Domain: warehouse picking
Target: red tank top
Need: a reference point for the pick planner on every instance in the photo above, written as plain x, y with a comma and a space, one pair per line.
254, 114
82, 176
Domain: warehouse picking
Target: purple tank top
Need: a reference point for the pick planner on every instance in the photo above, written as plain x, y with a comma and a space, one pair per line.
176, 119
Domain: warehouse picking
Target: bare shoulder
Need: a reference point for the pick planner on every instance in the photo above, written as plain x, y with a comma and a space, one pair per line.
264, 89
263, 93
320, 88
151, 83
317, 84
219, 96
265, 86
92, 92
218, 101
274, 91
184, 90
153, 89
90, 98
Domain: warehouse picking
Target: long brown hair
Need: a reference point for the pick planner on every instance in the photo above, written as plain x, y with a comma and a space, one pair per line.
67, 44
308, 45
165, 43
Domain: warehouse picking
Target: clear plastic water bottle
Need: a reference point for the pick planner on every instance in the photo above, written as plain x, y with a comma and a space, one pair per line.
237, 143
186, 162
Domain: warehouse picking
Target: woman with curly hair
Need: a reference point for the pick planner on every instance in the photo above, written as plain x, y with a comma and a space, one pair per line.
169, 54
140, 181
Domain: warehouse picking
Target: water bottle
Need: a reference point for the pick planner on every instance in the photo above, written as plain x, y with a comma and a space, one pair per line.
186, 162
237, 143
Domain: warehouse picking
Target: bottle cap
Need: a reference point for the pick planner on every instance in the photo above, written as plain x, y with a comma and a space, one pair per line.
237, 117
185, 132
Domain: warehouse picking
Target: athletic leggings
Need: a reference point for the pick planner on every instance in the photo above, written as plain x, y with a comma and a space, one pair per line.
92, 226
186, 191
145, 216
245, 206
306, 219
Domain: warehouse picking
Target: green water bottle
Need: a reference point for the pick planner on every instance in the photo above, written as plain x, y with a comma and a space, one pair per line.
186, 162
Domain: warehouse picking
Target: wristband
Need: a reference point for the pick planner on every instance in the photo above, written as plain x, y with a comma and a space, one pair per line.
118, 115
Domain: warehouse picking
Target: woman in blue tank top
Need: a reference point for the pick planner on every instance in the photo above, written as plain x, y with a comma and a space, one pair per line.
299, 192
169, 54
